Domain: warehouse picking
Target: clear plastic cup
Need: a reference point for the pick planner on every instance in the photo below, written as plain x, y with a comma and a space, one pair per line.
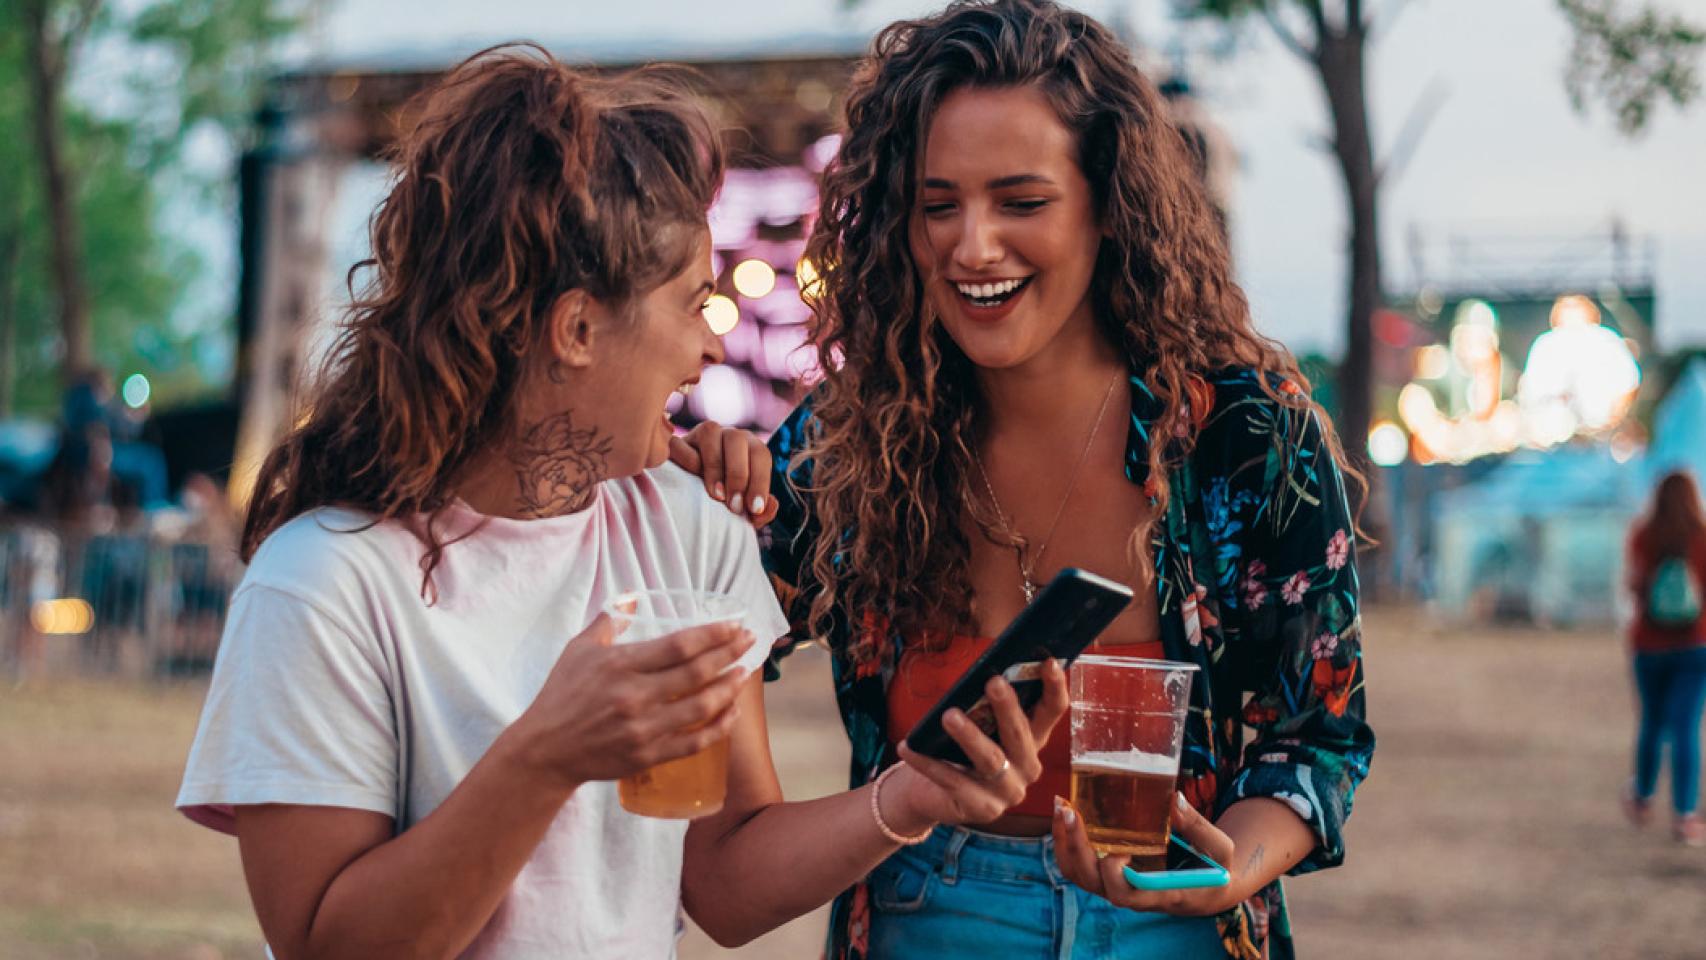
1128, 726
694, 785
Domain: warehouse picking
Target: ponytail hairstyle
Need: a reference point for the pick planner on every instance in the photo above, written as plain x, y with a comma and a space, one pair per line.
517, 180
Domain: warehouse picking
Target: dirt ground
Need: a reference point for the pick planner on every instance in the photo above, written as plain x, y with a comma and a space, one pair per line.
1488, 829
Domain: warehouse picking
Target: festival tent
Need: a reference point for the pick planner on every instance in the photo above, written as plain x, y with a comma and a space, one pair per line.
1679, 427
1538, 539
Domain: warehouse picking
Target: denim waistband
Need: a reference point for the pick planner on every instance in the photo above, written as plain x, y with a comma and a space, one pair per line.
956, 852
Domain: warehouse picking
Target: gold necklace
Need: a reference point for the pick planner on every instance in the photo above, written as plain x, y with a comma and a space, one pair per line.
1028, 566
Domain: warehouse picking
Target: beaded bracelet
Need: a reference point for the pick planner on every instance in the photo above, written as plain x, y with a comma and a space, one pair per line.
882, 825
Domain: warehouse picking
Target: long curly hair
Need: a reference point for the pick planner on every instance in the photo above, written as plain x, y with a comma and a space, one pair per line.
519, 180
896, 415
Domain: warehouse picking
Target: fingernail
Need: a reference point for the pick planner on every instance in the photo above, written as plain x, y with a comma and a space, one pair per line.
1068, 814
735, 502
1179, 802
717, 491
758, 505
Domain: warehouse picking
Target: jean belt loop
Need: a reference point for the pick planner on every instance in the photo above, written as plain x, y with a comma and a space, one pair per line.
951, 856
1051, 867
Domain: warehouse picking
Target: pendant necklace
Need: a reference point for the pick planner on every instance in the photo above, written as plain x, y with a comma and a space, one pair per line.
1028, 561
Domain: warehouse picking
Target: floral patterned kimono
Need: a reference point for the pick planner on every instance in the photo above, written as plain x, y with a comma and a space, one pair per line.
1257, 584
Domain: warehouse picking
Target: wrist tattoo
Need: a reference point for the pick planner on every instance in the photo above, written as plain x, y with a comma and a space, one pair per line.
557, 466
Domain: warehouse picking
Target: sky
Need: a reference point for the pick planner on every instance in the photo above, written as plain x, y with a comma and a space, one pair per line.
1504, 156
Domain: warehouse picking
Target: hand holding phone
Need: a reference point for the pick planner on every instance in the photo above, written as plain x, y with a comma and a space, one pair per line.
1065, 618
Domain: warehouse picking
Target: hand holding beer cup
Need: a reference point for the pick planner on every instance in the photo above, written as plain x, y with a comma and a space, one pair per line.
609, 710
1128, 717
1000, 773
693, 785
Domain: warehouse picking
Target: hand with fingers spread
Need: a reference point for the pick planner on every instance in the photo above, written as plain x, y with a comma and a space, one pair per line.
932, 791
734, 465
607, 710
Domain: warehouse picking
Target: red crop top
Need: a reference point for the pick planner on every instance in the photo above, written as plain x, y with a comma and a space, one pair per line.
923, 677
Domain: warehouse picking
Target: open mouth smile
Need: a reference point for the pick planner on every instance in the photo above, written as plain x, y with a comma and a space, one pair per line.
992, 294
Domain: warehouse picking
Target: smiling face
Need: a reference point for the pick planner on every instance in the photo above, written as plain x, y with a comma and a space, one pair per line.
1005, 231
658, 348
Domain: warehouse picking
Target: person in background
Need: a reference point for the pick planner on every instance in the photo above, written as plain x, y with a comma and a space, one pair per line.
1666, 565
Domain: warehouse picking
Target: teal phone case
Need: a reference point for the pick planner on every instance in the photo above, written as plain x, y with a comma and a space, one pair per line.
1214, 875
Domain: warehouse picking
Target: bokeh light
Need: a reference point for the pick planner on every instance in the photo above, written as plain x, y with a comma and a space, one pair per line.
754, 278
723, 395
67, 615
721, 314
1432, 362
136, 391
1388, 444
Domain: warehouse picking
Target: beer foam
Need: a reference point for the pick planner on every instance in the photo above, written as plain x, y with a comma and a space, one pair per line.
1127, 761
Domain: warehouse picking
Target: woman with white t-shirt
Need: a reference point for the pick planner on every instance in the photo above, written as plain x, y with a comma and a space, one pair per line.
413, 753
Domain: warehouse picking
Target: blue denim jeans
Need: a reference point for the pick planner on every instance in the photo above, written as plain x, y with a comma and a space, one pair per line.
963, 893
1672, 685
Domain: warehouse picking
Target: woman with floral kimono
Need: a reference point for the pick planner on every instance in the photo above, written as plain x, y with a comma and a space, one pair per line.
1036, 358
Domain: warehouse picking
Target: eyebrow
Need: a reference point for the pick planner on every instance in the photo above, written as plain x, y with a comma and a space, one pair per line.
1012, 180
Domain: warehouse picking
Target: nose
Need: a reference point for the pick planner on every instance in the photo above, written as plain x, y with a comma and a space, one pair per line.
979, 243
711, 351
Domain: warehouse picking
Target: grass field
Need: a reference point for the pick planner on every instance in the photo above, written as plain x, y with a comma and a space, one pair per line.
1488, 829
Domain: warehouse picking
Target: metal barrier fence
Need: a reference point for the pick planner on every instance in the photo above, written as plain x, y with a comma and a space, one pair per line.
113, 604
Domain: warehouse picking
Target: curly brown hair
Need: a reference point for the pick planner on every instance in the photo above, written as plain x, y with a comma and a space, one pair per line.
895, 418
519, 180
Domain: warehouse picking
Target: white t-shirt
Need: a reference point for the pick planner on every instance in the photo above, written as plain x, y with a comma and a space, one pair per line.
338, 685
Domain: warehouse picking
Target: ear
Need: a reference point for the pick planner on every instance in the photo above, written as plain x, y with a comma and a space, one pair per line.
571, 329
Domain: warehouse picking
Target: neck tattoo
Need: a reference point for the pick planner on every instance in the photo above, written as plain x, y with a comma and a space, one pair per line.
557, 467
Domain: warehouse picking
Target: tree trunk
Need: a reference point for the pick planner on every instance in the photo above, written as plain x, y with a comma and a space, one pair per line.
11, 257
45, 54
1339, 62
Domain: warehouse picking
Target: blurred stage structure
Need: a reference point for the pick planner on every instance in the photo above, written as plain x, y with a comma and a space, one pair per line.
779, 105
1508, 387
148, 597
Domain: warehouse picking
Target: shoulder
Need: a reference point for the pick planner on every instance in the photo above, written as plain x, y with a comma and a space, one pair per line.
327, 552
791, 436
675, 485
1253, 409
1635, 542
684, 502
791, 468
329, 572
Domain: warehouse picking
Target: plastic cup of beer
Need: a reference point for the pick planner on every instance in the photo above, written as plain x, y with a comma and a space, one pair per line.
1128, 725
694, 785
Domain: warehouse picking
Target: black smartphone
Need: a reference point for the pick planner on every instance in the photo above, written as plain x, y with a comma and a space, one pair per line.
1066, 617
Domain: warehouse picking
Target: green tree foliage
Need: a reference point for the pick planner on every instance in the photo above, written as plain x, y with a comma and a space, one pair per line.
136, 87
1630, 60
